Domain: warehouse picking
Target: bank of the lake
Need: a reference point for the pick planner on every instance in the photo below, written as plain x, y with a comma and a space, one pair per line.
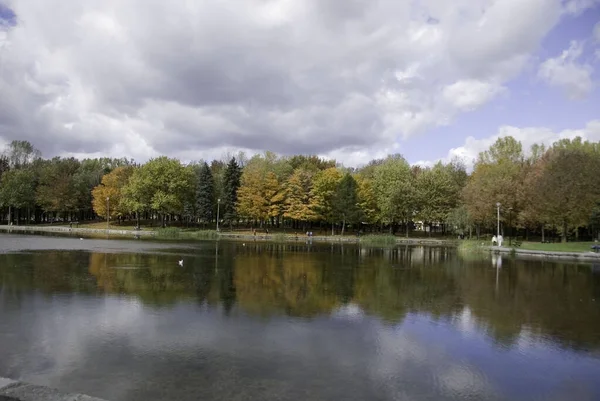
174, 234
531, 249
12, 390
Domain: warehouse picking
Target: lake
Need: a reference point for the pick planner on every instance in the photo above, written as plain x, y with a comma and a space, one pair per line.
121, 320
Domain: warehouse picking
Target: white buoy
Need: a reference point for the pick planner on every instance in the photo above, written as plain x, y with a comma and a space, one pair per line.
181, 262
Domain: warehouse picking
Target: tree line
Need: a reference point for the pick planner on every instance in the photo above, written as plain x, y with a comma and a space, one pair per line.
545, 189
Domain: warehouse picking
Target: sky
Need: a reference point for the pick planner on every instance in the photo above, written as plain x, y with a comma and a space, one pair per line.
352, 80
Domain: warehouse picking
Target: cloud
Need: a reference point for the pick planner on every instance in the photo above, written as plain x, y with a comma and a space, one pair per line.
138, 78
564, 72
596, 33
469, 94
528, 136
576, 7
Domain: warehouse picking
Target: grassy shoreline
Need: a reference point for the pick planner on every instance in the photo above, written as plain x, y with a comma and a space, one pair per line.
574, 250
174, 233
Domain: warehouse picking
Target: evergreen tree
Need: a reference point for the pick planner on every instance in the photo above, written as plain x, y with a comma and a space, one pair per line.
231, 183
345, 201
205, 192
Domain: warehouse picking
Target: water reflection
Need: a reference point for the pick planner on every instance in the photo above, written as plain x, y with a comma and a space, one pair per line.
283, 321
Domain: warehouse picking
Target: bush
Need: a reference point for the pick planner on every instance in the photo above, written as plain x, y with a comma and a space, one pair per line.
279, 237
203, 234
379, 240
168, 232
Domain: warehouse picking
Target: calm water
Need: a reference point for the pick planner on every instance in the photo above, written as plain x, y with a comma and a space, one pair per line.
121, 320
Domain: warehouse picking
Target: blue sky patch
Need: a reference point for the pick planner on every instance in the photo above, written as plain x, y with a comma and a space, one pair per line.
7, 16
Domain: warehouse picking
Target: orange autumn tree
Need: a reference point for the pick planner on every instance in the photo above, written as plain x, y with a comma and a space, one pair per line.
111, 187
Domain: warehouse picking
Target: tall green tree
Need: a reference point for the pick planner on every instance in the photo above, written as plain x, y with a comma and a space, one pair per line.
567, 189
345, 202
57, 190
17, 190
436, 194
231, 184
160, 185
205, 194
395, 191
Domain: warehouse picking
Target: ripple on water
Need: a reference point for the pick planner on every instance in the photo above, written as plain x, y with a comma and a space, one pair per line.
461, 380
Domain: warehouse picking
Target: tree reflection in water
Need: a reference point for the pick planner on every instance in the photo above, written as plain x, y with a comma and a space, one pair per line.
504, 298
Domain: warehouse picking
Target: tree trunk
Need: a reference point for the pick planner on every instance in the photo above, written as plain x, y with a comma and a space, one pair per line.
9, 215
470, 232
343, 225
407, 229
332, 232
564, 231
543, 233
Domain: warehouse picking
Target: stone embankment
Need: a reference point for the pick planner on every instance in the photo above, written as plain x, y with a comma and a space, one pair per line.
224, 235
11, 390
77, 230
581, 256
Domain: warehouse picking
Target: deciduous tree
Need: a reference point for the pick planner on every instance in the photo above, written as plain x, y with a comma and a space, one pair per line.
112, 187
325, 184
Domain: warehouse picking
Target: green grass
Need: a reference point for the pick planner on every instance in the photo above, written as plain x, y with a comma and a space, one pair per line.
201, 234
168, 232
279, 237
178, 233
472, 245
379, 240
557, 247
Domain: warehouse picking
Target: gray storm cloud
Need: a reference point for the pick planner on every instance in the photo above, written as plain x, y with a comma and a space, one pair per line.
139, 78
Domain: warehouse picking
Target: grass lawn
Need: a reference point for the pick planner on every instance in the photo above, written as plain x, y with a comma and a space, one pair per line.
557, 247
102, 226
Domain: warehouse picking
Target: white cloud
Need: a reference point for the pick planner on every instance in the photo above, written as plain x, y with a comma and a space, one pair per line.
467, 95
596, 32
564, 72
576, 7
528, 136
138, 78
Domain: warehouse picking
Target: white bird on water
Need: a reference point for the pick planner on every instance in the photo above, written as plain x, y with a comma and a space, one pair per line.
181, 262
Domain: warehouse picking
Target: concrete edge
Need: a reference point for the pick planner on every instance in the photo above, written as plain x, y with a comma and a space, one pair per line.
289, 238
580, 256
20, 391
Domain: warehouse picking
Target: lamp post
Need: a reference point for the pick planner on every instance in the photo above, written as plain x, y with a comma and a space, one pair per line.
498, 232
218, 205
510, 225
107, 213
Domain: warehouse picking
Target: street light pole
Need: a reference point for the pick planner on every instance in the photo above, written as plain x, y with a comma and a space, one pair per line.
218, 205
107, 212
498, 233
510, 225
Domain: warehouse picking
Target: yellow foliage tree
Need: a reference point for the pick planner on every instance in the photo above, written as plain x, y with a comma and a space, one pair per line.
111, 187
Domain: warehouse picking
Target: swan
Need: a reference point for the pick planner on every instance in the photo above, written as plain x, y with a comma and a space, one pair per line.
181, 262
